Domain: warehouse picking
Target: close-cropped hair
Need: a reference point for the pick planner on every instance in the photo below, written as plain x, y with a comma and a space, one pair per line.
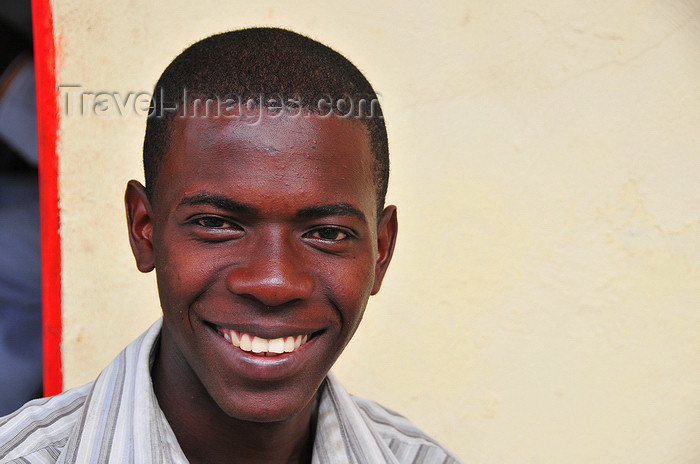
270, 68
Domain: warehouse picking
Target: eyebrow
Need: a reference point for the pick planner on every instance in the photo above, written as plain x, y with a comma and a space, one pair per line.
218, 201
336, 209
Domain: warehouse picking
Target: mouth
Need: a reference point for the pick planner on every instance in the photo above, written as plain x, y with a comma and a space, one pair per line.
260, 346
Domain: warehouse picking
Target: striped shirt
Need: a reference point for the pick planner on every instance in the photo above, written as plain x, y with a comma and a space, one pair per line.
116, 419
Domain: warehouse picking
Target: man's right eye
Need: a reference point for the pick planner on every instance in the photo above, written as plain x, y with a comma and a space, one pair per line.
214, 222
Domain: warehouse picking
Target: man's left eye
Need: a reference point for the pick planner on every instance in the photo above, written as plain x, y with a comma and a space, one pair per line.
329, 234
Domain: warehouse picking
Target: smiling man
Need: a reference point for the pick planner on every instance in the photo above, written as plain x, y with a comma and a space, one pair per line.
263, 216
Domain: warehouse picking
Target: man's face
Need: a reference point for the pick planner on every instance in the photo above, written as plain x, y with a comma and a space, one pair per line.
268, 230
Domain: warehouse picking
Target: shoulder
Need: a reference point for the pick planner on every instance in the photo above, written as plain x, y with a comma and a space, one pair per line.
405, 440
41, 428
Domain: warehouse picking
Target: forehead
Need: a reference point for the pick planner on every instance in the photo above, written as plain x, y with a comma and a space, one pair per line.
321, 159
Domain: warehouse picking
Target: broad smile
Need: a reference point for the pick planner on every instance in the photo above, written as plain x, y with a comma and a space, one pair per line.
252, 343
250, 354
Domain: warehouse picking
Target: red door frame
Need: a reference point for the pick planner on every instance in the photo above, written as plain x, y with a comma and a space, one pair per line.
47, 127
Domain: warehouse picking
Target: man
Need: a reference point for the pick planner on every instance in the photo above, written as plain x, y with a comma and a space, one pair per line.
263, 215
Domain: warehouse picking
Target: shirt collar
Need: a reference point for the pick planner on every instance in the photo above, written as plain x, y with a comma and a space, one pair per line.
121, 420
343, 432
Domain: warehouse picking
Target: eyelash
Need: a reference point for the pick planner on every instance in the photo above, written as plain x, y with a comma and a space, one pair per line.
346, 234
225, 224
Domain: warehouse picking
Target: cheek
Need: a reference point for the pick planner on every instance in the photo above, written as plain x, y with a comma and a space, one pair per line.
180, 278
350, 286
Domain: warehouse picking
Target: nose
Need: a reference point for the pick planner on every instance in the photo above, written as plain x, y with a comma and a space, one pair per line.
273, 272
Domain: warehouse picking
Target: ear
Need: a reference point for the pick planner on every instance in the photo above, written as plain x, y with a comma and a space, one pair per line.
386, 240
139, 218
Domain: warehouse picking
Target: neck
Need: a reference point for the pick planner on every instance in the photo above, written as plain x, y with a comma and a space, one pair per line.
208, 435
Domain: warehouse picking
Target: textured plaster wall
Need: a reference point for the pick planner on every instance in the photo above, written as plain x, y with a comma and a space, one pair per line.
544, 301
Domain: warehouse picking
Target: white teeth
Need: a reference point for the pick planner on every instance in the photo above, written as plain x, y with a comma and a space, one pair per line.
246, 344
234, 338
276, 345
258, 345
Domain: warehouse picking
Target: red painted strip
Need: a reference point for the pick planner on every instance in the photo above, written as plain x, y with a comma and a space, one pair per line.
47, 125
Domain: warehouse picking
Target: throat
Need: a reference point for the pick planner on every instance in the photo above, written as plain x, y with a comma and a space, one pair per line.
250, 443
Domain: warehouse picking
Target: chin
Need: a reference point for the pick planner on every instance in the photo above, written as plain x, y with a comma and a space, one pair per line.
265, 407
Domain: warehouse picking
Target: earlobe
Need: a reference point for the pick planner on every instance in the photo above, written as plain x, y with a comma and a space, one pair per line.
139, 219
386, 240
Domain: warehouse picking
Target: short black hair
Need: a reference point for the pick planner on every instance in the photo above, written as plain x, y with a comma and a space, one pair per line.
267, 66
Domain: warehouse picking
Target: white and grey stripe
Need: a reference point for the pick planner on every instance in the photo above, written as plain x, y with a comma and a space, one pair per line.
116, 419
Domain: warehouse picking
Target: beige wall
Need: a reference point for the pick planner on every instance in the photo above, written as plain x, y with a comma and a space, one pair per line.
544, 301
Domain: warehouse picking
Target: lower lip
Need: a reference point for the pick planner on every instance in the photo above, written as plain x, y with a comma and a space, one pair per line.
256, 366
